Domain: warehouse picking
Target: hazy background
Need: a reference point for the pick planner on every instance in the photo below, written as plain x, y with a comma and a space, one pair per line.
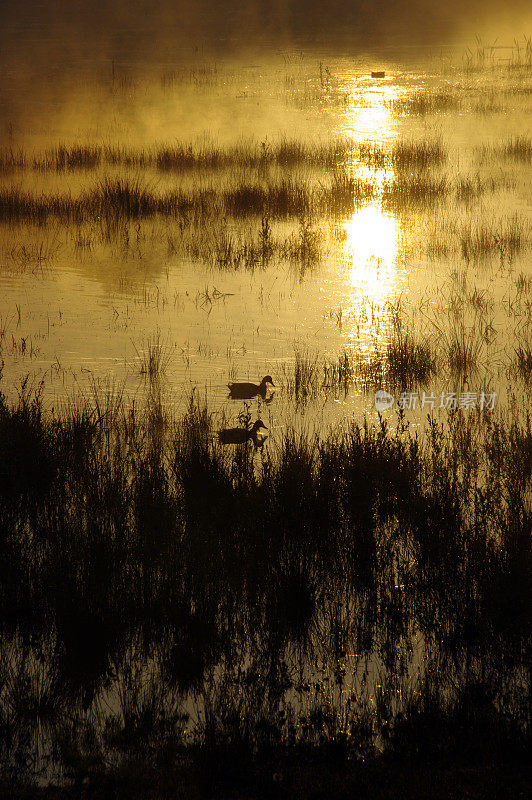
50, 49
78, 34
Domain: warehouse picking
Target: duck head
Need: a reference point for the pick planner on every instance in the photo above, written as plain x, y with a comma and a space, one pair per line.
265, 380
257, 427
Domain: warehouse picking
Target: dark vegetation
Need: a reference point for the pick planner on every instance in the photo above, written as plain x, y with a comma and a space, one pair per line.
287, 197
180, 157
516, 148
313, 617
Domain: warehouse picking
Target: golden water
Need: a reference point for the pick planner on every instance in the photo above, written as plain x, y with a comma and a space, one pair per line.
81, 306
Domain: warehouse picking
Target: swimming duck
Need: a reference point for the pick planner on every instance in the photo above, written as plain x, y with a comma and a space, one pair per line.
242, 435
245, 391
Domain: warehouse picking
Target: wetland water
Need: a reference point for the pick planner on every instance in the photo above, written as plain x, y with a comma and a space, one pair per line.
167, 231
420, 210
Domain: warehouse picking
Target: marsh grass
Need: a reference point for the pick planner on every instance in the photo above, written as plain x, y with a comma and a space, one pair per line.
517, 56
414, 189
418, 154
410, 361
304, 247
133, 198
35, 254
523, 361
11, 161
423, 103
469, 188
505, 238
523, 284
342, 372
465, 346
372, 154
519, 148
304, 380
155, 356
69, 158
344, 194
372, 370
230, 253
286, 198
125, 198
153, 568
406, 361
489, 104
229, 247
285, 155
183, 157
516, 148
347, 370
405, 154
256, 246
121, 198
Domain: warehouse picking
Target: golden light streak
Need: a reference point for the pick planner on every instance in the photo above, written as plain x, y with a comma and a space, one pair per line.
371, 247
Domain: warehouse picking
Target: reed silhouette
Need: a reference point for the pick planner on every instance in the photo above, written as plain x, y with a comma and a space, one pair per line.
349, 602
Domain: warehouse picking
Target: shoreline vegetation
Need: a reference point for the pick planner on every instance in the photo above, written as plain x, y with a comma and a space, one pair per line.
176, 615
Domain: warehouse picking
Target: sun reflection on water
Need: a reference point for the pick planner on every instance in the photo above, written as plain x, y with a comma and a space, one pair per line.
371, 236
371, 247
369, 114
371, 280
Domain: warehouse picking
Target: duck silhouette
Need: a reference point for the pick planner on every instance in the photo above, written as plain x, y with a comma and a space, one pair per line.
245, 391
243, 435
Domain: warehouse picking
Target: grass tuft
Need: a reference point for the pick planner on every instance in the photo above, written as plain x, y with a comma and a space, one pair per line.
523, 361
410, 362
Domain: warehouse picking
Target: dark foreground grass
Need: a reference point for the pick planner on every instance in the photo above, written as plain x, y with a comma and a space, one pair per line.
343, 613
306, 780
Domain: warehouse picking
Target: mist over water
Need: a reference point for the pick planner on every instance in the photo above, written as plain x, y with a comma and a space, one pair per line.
49, 51
141, 34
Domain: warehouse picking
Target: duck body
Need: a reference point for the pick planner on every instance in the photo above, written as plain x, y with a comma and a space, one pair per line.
246, 391
243, 435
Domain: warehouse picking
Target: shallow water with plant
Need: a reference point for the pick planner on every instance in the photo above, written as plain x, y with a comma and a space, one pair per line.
401, 205
355, 588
